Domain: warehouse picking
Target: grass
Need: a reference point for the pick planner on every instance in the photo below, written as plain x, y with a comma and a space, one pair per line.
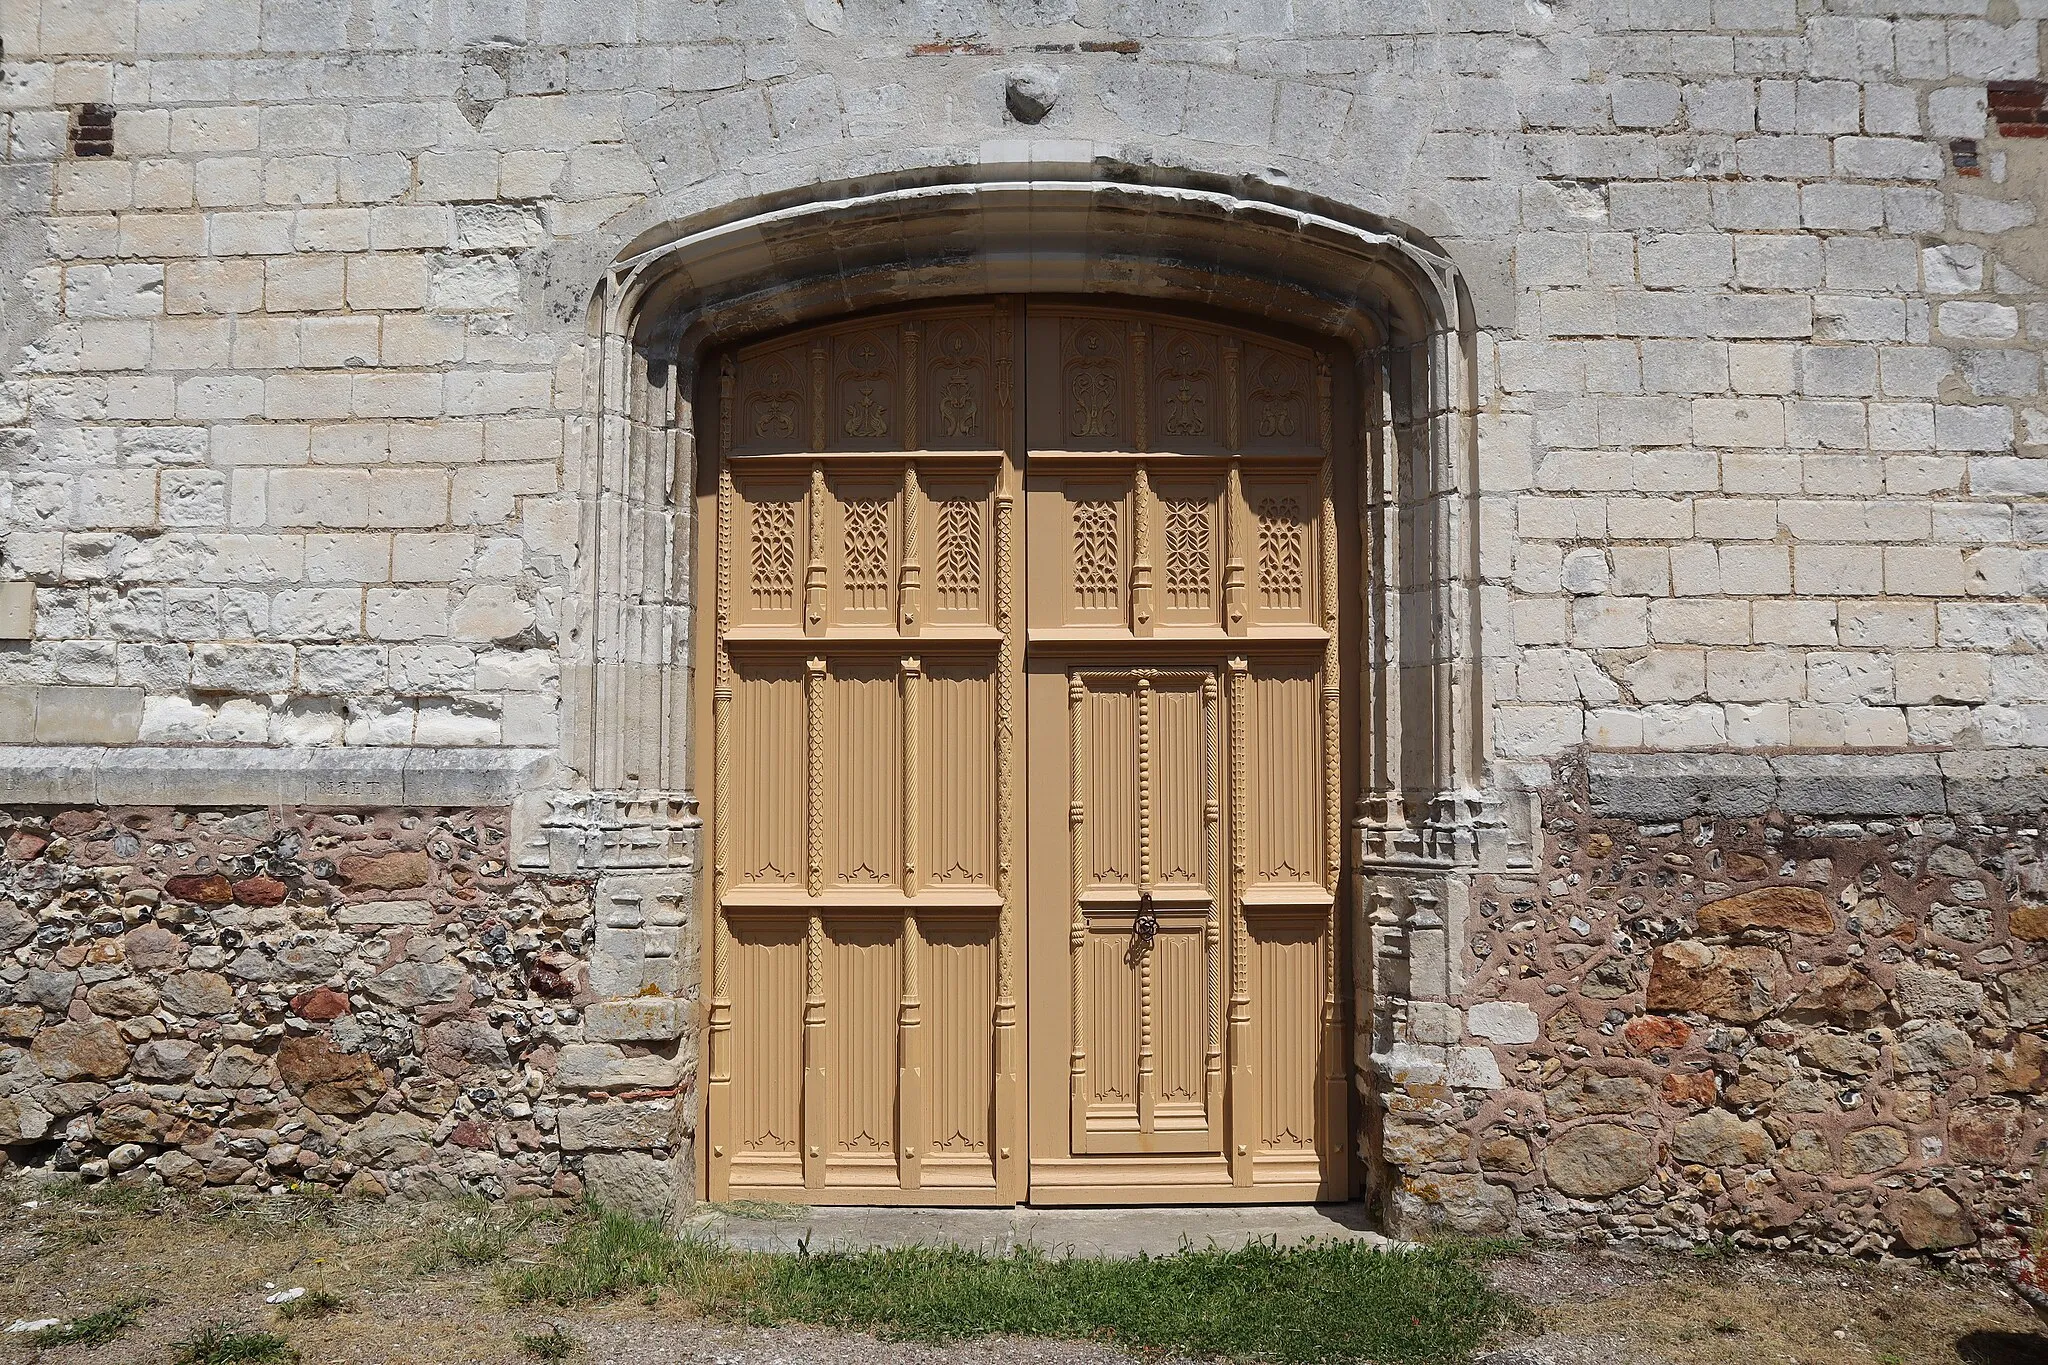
553, 1344
223, 1343
479, 1234
314, 1303
94, 1329
1325, 1302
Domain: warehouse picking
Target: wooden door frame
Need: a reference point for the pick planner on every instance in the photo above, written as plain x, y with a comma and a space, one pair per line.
1335, 409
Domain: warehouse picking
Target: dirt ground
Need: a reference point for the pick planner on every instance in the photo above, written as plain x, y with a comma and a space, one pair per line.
1588, 1308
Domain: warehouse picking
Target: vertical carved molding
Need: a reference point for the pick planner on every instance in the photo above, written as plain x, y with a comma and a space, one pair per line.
816, 1125
913, 677
911, 1051
1332, 1109
1077, 930
814, 565
814, 777
1009, 1043
1141, 551
909, 371
1233, 401
818, 359
1141, 387
1212, 927
1325, 406
1383, 816
1235, 591
718, 1100
909, 590
1148, 1082
1243, 1106
1005, 386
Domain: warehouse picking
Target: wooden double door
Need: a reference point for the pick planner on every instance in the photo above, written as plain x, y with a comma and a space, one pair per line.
1028, 753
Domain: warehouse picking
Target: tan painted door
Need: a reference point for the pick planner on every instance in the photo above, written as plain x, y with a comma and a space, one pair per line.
1186, 782
863, 1022
896, 545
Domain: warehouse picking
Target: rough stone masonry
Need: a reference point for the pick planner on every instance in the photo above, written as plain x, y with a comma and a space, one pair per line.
317, 867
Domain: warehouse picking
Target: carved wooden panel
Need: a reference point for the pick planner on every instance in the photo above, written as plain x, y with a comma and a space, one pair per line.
766, 805
862, 988
1278, 399
863, 776
1287, 991
1190, 540
1284, 553
1094, 397
1098, 543
958, 388
864, 408
959, 969
767, 1031
772, 549
959, 761
1185, 389
1285, 760
958, 517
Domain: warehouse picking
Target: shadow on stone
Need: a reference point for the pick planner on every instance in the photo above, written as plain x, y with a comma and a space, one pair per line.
2002, 1348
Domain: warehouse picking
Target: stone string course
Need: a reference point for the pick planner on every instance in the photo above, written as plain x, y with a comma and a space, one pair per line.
1791, 1032
367, 1002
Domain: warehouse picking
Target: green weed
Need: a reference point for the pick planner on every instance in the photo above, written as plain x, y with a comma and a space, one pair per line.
94, 1329
223, 1343
314, 1303
553, 1344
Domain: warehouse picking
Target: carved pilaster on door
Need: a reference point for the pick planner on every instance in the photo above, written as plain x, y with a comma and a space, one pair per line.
1243, 1102
909, 588
814, 568
1077, 931
1009, 1049
1236, 593
1141, 551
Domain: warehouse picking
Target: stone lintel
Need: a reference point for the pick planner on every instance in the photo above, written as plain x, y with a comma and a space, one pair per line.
91, 775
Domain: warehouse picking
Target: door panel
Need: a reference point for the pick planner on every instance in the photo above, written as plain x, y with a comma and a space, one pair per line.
1124, 589
1187, 780
863, 1039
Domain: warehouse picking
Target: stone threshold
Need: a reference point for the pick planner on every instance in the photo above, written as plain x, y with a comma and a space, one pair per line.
219, 775
1097, 1232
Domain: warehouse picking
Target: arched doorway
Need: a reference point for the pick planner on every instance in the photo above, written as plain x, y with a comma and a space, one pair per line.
1384, 305
1029, 757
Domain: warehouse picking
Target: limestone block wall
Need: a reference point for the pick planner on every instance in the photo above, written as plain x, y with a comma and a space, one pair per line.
363, 1001
296, 378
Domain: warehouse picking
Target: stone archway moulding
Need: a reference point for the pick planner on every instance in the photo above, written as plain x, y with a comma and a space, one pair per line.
1427, 820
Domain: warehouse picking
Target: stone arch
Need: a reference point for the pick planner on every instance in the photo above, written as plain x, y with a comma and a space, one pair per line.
1427, 818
